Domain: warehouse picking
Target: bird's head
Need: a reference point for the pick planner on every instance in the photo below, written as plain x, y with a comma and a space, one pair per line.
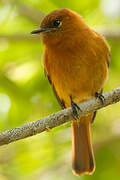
59, 25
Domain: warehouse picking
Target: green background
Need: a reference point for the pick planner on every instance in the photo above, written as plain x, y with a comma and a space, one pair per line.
25, 94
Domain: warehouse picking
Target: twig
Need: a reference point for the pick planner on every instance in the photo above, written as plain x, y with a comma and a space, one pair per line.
108, 34
26, 10
58, 118
20, 37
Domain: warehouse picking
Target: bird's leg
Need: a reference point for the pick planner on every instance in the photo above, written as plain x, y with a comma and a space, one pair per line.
100, 96
75, 108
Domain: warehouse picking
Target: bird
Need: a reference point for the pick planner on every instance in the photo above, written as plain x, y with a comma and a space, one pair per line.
76, 60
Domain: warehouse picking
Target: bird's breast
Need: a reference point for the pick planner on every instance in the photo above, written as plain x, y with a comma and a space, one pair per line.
74, 73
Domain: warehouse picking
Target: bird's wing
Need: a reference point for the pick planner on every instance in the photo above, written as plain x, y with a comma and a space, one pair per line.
60, 101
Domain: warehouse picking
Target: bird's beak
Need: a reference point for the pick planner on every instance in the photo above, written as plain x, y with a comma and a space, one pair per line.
37, 31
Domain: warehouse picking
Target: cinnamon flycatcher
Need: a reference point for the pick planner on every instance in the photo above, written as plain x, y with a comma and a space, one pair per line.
76, 60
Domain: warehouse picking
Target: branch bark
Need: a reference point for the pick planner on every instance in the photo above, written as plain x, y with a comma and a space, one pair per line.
58, 118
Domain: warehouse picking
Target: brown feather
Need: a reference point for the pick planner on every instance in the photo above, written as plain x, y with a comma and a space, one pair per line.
83, 158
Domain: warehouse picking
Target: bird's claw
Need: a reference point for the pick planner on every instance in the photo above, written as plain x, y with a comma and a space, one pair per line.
75, 108
100, 96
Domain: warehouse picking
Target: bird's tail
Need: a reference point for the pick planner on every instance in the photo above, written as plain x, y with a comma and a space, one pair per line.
83, 158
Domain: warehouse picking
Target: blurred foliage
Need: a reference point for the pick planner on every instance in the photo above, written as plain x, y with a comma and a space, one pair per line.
25, 95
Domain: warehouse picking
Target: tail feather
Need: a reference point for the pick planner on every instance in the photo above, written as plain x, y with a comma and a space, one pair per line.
83, 158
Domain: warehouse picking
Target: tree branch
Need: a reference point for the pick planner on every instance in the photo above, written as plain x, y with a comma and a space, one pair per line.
108, 34
20, 37
58, 118
26, 10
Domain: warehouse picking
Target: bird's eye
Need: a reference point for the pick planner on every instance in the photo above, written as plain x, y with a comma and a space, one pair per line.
56, 23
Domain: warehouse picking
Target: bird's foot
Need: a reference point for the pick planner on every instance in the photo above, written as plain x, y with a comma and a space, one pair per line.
75, 108
100, 96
